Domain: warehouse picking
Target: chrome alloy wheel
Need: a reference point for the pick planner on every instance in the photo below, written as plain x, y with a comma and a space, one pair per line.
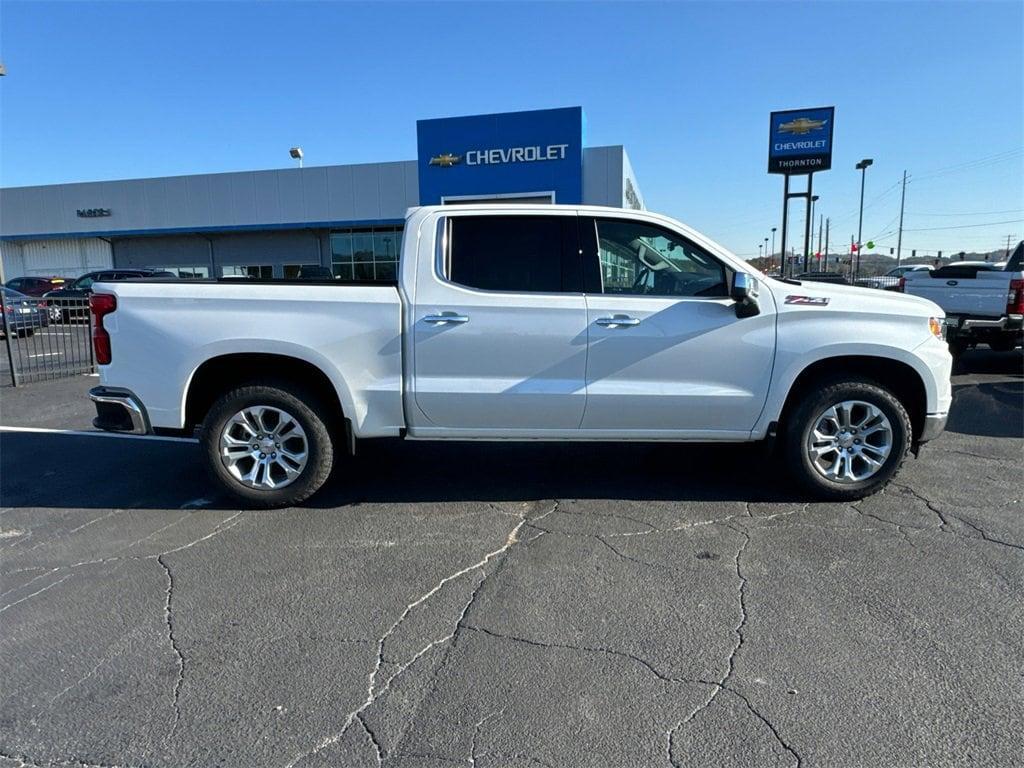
264, 447
849, 441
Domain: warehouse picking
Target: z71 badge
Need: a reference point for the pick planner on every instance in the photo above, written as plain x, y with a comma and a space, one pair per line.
817, 301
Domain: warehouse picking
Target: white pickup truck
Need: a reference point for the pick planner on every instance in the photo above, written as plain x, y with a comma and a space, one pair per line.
983, 302
517, 322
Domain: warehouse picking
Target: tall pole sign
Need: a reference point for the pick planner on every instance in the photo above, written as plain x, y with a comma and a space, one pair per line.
799, 144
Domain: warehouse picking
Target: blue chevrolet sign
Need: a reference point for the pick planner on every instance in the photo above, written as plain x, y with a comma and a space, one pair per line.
800, 140
507, 154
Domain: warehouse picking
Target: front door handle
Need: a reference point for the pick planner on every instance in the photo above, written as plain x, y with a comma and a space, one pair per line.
446, 317
617, 320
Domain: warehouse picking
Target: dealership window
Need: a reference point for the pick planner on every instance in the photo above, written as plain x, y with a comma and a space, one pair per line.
368, 254
189, 272
513, 253
259, 271
640, 259
305, 272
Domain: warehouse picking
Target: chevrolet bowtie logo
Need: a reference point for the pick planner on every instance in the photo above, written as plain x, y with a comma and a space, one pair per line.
800, 126
446, 160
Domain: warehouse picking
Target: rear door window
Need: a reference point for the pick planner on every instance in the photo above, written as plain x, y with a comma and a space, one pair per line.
515, 254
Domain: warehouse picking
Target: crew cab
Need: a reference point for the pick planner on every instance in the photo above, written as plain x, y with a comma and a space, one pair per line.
983, 301
519, 322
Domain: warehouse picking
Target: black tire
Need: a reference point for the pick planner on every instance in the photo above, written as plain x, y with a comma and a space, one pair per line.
958, 346
24, 333
304, 408
802, 420
1003, 345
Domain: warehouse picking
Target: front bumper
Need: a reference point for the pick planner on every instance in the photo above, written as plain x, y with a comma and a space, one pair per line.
934, 425
119, 410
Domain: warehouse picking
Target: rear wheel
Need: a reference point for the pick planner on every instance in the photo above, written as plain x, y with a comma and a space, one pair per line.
266, 444
847, 439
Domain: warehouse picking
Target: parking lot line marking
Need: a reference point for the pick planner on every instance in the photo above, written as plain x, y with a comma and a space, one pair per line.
86, 433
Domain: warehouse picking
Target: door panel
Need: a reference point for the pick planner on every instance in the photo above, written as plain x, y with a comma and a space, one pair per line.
667, 352
688, 364
488, 359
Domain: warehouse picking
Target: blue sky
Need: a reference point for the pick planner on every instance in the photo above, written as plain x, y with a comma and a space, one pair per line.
120, 90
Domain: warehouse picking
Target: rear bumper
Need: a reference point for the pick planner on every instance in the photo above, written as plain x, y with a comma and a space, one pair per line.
934, 425
119, 410
977, 326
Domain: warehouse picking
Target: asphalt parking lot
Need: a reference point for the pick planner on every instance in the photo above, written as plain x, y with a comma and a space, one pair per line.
503, 605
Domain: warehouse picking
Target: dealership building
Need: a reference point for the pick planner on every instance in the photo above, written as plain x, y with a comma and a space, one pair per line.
346, 218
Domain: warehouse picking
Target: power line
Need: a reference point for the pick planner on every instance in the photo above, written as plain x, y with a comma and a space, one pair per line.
974, 213
965, 226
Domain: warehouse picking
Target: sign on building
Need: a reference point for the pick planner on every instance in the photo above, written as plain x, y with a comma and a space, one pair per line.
529, 153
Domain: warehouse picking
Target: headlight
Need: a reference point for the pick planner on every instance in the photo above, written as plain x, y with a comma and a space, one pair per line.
938, 327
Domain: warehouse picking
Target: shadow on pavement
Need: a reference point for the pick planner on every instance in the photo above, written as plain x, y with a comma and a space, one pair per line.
988, 408
49, 470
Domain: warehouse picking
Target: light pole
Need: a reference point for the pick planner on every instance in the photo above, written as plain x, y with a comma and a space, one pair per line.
759, 247
296, 153
862, 166
807, 249
773, 248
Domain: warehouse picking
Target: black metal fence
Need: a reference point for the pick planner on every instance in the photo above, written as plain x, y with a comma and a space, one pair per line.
46, 338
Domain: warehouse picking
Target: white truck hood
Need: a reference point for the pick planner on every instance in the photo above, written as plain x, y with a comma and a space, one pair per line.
848, 298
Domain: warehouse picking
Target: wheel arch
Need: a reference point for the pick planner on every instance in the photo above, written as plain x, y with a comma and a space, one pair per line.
899, 377
218, 374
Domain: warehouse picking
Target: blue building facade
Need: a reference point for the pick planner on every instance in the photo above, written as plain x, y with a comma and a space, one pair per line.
347, 218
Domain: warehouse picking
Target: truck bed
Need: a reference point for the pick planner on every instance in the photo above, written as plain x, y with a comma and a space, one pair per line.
970, 291
164, 329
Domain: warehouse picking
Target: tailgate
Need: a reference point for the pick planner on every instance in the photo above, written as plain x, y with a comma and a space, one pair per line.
983, 295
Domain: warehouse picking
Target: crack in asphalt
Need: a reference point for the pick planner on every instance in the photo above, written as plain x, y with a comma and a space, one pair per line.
476, 735
373, 692
722, 684
51, 585
590, 649
373, 739
946, 527
24, 761
169, 621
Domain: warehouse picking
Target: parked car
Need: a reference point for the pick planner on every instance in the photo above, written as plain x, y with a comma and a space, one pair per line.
72, 298
983, 301
824, 277
890, 281
518, 322
23, 315
36, 286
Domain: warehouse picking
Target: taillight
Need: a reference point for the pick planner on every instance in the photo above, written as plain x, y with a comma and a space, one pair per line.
101, 305
1015, 298
902, 285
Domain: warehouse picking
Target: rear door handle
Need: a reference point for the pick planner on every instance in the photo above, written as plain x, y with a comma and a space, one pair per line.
617, 320
446, 317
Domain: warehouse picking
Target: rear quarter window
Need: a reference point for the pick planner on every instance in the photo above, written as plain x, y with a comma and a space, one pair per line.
518, 254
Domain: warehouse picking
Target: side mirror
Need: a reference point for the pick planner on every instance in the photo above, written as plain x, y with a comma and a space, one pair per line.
744, 292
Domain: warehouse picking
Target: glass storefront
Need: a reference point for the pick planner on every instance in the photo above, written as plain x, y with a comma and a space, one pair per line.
369, 254
259, 271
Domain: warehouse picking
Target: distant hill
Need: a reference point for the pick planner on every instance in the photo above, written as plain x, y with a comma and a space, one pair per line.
875, 263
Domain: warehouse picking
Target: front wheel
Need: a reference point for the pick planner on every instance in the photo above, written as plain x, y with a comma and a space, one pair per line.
847, 439
266, 444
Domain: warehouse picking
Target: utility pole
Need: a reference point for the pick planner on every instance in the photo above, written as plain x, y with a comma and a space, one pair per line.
772, 258
899, 240
827, 222
821, 223
1008, 239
